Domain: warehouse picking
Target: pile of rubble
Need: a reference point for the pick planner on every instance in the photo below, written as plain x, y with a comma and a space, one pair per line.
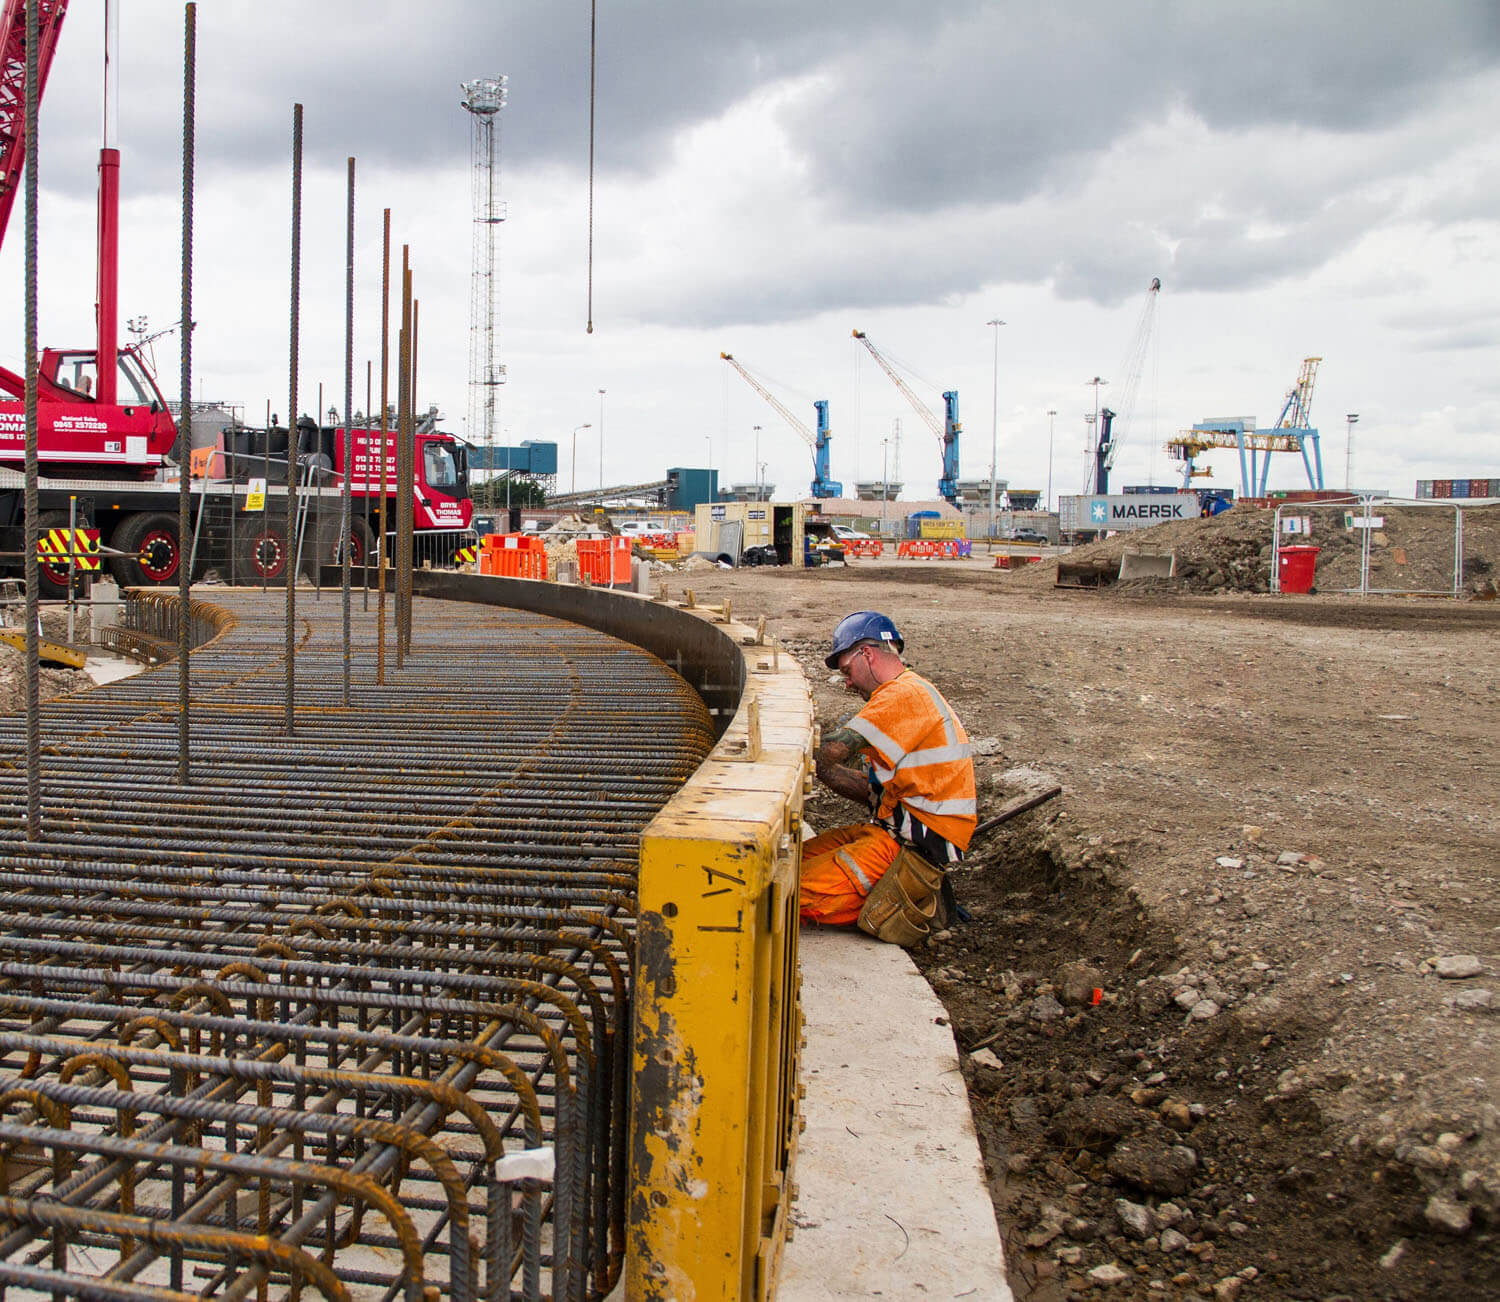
1412, 549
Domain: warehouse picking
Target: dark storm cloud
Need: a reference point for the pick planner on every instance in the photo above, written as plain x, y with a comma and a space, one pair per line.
902, 110
988, 104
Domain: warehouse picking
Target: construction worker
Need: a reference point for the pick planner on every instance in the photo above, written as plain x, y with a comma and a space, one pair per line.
907, 756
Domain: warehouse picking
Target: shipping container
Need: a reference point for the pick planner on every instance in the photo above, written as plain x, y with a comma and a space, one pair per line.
1442, 488
734, 528
1424, 488
1460, 488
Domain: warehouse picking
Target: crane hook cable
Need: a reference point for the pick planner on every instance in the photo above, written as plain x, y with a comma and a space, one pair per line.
593, 63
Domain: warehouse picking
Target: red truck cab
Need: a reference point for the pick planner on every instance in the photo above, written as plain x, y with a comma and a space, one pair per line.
76, 434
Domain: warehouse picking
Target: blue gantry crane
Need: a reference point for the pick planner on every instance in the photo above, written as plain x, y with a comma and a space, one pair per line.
947, 432
1293, 432
823, 484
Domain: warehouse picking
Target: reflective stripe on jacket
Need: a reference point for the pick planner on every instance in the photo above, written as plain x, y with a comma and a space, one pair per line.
921, 763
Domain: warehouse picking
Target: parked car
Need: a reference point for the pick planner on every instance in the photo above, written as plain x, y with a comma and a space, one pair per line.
1028, 536
845, 534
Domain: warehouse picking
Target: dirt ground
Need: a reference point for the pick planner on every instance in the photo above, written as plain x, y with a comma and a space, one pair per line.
1275, 859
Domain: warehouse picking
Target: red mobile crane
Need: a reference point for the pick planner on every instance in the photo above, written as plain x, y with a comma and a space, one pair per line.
105, 436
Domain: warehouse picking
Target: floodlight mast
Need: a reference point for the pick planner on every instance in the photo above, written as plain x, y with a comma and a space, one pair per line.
484, 97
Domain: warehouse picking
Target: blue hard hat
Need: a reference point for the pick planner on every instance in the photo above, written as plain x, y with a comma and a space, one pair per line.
862, 626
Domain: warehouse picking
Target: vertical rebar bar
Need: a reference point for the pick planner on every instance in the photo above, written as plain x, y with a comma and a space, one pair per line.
313, 479
403, 422
185, 418
409, 493
345, 513
385, 397
266, 489
291, 432
369, 366
33, 608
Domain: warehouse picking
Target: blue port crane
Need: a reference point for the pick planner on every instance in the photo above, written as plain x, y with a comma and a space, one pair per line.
823, 485
947, 431
1293, 432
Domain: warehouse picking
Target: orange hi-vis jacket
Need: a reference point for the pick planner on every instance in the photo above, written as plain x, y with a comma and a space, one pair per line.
921, 764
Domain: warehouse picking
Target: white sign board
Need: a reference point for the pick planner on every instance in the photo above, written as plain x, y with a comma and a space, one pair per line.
1365, 521
1296, 524
1136, 510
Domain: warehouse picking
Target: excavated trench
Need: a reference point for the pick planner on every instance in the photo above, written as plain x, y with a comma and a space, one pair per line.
1122, 1137
350, 1010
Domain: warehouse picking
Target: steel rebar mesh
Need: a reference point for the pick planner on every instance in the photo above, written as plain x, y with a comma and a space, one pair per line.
293, 1026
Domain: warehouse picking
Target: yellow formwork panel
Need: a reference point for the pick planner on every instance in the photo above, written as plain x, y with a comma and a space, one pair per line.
717, 1024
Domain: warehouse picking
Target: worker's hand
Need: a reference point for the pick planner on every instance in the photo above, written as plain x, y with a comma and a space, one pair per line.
831, 760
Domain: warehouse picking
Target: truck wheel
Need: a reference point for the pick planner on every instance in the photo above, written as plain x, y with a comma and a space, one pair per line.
263, 554
361, 545
151, 551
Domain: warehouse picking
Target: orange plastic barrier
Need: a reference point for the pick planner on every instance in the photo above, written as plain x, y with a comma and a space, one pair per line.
863, 547
1014, 560
933, 548
513, 556
605, 561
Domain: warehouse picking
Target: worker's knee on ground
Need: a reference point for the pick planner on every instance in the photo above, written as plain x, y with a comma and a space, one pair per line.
839, 868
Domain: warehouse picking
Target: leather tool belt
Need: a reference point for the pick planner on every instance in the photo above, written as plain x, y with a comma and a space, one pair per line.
902, 904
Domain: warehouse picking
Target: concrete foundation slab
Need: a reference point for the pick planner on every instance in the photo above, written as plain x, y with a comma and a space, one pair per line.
891, 1193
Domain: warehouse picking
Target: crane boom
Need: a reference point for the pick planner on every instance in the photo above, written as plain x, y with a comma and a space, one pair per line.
822, 484
918, 405
947, 430
13, 88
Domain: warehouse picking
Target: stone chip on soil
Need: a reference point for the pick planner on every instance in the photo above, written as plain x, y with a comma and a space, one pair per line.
1154, 1167
1455, 967
1447, 1215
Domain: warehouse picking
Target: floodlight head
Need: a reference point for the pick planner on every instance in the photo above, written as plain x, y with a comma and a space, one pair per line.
484, 95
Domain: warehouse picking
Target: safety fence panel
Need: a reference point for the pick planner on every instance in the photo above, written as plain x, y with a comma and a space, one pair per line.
1366, 546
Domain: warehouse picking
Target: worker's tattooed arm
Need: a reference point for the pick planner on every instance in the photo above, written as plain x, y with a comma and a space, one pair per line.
833, 758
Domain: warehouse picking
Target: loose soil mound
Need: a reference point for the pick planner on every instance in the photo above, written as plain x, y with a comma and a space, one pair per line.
1413, 551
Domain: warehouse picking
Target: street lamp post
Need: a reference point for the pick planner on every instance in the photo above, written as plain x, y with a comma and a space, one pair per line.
1350, 421
885, 483
573, 472
994, 423
601, 445
759, 495
1051, 425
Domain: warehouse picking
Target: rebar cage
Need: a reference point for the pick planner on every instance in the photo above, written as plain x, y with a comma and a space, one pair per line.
350, 1011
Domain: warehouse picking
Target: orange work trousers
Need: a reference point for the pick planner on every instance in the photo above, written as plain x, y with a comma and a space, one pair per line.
838, 870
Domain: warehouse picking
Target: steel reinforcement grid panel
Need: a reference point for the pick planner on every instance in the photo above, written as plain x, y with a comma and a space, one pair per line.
348, 1014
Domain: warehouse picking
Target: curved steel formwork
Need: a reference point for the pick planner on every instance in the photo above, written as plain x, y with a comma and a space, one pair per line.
351, 1010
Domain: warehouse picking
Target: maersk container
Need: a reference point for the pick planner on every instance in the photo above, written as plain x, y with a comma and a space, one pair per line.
1460, 488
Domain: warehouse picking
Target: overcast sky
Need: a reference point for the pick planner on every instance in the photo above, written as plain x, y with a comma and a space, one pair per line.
1305, 179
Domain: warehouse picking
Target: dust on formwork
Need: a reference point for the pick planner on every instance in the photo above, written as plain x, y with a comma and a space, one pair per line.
1273, 860
1413, 550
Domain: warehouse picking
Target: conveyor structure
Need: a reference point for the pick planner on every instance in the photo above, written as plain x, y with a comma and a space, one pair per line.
351, 1013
